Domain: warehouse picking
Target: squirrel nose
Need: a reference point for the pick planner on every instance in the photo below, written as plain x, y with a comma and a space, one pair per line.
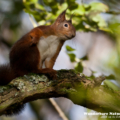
73, 35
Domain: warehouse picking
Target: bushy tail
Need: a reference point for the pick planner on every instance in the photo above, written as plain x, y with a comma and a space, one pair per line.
6, 74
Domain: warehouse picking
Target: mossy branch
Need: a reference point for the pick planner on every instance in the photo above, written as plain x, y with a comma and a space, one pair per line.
88, 93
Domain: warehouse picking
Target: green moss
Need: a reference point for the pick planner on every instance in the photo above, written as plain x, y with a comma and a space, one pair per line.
21, 85
16, 94
65, 84
34, 87
2, 107
41, 86
34, 78
23, 90
30, 88
30, 82
49, 83
1, 90
4, 88
68, 91
66, 74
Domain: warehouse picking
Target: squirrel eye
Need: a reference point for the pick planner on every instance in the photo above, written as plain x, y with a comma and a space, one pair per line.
65, 25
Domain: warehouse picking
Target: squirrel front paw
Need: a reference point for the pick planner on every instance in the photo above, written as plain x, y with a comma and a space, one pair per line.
52, 74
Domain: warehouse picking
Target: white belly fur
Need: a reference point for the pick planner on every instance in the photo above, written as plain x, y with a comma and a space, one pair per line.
47, 47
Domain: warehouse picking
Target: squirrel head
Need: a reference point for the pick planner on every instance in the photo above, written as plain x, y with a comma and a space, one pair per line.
63, 28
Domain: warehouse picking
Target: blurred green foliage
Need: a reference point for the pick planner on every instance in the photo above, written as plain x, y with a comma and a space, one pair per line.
12, 13
111, 85
10, 20
86, 16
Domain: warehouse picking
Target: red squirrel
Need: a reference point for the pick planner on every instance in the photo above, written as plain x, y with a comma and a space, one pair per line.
40, 47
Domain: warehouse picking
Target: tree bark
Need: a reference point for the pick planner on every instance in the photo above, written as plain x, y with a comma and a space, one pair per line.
79, 89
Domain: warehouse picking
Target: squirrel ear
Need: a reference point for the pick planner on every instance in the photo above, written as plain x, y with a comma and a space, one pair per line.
61, 17
71, 18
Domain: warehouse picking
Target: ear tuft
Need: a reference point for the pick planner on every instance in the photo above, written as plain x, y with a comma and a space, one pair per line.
71, 18
61, 17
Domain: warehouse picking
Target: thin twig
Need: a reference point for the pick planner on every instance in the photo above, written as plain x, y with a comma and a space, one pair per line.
61, 113
33, 21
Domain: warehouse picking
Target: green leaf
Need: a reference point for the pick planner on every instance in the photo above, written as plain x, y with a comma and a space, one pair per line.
86, 16
97, 6
68, 48
100, 20
79, 67
38, 6
111, 77
111, 85
80, 10
72, 57
106, 29
87, 7
31, 2
85, 58
62, 8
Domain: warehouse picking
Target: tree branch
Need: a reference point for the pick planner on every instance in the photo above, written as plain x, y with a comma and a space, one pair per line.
79, 89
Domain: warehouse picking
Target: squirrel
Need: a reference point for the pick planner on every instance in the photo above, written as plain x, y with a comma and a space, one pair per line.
36, 52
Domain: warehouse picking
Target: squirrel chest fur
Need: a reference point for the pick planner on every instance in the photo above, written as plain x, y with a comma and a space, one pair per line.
48, 47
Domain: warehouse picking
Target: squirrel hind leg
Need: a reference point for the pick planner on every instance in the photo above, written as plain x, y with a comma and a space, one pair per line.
6, 74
